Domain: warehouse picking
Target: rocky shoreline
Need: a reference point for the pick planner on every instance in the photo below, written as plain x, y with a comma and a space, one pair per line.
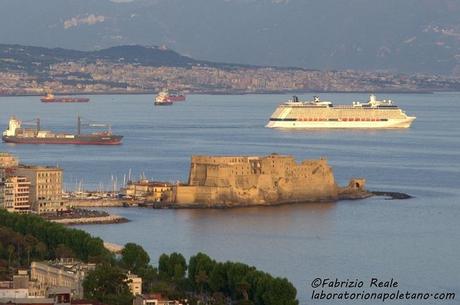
392, 195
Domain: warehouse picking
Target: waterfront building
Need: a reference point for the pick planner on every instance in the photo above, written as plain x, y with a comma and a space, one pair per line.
14, 194
154, 191
45, 188
68, 273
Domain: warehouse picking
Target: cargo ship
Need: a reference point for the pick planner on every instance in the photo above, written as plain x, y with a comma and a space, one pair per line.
165, 97
319, 114
51, 98
19, 135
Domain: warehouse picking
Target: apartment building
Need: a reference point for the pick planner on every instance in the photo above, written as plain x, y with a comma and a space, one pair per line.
134, 283
14, 194
45, 188
67, 273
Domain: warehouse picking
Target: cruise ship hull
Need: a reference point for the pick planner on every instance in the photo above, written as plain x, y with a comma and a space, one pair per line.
340, 124
74, 139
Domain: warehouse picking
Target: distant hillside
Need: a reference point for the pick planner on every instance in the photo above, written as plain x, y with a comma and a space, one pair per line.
391, 35
36, 59
138, 69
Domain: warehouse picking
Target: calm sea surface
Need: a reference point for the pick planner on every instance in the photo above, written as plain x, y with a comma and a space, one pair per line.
416, 241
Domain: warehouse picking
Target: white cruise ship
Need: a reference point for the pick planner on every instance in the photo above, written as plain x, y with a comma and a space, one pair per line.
323, 114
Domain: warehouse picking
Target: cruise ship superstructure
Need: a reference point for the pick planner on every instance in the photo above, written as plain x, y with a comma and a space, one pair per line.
319, 114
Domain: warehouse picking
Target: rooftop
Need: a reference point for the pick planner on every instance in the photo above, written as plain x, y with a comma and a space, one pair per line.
68, 264
40, 167
5, 154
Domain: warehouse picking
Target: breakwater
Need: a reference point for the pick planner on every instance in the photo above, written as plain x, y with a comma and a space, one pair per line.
84, 216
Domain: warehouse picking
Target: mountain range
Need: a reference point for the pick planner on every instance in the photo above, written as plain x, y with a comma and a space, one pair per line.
409, 36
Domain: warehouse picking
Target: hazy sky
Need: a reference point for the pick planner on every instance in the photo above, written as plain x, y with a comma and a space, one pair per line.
409, 35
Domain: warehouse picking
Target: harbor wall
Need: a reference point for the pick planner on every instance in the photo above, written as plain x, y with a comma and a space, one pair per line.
87, 203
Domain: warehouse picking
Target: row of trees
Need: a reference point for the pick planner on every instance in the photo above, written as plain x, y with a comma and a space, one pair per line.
24, 238
202, 280
58, 239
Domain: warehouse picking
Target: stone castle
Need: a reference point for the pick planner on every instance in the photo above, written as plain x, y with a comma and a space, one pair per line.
244, 180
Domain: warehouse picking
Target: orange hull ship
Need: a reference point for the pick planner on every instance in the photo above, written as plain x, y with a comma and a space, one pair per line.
167, 98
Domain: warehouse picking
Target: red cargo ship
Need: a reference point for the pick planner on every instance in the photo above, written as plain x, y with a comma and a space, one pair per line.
165, 97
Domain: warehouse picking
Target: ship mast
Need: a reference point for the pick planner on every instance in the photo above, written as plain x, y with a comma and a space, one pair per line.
78, 125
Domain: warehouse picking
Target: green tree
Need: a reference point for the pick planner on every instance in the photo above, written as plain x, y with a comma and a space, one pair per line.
11, 251
108, 285
134, 258
280, 292
179, 265
172, 267
149, 278
200, 263
63, 251
30, 243
41, 250
201, 279
218, 279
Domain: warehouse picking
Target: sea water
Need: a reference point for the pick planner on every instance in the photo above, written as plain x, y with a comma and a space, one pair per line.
416, 242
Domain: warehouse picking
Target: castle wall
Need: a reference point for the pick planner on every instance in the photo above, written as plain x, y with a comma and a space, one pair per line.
185, 194
256, 180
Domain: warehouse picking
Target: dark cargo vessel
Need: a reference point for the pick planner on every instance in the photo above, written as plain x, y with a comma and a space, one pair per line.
50, 98
16, 134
